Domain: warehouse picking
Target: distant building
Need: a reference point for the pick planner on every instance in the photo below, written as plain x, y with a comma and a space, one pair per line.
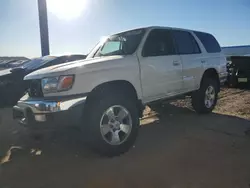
236, 50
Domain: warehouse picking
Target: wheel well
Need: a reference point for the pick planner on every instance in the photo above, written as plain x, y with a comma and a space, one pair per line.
211, 73
122, 86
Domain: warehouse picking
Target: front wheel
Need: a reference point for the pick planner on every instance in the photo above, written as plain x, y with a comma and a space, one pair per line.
205, 99
112, 124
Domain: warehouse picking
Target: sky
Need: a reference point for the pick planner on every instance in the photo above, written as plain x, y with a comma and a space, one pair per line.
227, 20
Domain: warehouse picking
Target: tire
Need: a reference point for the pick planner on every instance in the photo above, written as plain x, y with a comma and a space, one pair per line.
95, 115
199, 97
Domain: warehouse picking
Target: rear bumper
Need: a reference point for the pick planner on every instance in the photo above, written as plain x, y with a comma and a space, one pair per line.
239, 77
44, 113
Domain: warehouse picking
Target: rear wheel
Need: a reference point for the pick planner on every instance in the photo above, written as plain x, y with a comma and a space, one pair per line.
112, 123
205, 99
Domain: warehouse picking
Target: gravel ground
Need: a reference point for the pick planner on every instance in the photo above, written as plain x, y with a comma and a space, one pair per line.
176, 148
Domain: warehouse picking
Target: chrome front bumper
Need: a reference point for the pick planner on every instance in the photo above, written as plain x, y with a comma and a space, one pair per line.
28, 109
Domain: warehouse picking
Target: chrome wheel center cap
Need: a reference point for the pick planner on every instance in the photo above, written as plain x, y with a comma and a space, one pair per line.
117, 125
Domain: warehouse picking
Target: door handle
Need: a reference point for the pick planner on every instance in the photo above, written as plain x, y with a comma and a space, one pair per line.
203, 61
176, 63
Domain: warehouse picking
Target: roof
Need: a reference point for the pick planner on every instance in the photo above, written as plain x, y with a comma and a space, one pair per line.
157, 27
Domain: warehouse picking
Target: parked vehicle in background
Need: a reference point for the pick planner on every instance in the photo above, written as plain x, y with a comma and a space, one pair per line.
238, 70
4, 64
15, 63
11, 63
12, 85
106, 93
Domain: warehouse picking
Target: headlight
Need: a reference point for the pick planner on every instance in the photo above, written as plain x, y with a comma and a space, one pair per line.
57, 84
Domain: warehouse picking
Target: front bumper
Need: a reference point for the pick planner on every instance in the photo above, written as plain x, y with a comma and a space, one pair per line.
46, 113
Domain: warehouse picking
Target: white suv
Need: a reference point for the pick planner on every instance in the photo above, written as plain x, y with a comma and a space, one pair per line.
105, 94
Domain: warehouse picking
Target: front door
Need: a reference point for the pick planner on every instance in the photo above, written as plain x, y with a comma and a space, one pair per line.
161, 67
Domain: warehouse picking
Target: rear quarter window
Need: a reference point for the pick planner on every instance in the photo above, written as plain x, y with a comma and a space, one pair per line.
209, 42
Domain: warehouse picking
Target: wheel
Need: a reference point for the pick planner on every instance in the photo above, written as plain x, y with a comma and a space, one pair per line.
205, 99
112, 123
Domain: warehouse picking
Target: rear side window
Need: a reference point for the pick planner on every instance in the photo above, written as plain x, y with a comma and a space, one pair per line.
210, 43
159, 43
186, 43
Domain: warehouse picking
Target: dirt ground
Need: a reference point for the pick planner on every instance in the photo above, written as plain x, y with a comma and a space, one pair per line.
176, 148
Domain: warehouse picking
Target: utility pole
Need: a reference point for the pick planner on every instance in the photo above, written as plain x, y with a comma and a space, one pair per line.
43, 22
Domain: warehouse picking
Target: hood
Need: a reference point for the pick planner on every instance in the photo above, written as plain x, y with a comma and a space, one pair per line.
70, 68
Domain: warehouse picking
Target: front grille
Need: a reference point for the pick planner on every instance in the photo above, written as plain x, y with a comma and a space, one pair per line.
35, 88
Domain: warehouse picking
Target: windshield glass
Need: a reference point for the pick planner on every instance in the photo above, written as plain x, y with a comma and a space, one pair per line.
120, 44
37, 62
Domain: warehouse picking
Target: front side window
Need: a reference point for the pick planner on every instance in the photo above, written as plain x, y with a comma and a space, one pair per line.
124, 43
111, 46
159, 43
186, 43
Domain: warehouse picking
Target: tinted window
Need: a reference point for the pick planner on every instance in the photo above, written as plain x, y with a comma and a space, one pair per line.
159, 43
65, 59
186, 43
37, 62
57, 61
210, 43
73, 58
77, 57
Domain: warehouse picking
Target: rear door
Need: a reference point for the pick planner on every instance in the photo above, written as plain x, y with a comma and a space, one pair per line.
215, 58
161, 68
192, 59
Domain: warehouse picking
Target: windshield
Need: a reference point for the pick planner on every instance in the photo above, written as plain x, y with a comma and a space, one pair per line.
120, 44
37, 62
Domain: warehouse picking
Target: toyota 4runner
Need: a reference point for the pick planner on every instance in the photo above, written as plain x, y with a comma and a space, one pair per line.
105, 94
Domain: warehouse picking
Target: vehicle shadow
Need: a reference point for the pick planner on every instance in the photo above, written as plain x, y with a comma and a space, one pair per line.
7, 104
241, 86
176, 141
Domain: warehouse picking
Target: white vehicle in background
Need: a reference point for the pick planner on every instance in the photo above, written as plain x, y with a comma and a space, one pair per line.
108, 91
